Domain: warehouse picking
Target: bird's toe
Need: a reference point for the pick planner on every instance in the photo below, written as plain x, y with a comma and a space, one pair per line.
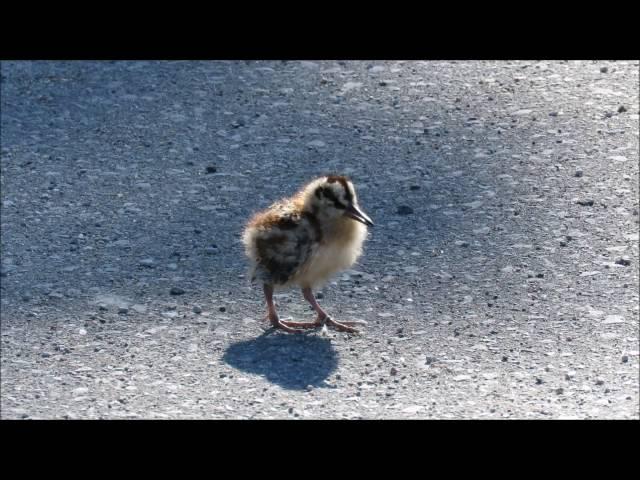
340, 326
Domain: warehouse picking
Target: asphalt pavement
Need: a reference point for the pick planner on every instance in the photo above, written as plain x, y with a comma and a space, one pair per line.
500, 280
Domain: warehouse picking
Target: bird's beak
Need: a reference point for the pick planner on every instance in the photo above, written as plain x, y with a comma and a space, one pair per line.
357, 214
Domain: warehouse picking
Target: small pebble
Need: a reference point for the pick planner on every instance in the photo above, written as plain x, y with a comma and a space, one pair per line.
578, 173
625, 359
404, 210
539, 381
223, 309
604, 70
212, 169
123, 310
393, 371
585, 203
559, 391
176, 291
197, 309
626, 261
622, 109
414, 187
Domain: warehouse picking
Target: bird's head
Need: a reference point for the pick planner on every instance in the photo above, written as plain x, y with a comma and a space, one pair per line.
332, 197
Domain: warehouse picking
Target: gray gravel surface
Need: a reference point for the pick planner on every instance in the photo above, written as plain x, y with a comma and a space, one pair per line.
500, 280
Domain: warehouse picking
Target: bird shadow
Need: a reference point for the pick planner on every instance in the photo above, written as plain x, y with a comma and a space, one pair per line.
291, 361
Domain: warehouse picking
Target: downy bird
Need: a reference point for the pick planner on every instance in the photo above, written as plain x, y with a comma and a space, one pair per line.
303, 240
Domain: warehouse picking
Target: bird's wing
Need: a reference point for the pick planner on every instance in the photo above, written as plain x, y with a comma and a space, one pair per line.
285, 247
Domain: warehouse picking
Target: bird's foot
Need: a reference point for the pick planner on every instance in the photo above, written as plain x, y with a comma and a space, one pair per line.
282, 324
299, 327
341, 326
315, 324
322, 322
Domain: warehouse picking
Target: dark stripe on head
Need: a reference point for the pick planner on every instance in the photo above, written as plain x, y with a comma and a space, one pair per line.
327, 192
344, 182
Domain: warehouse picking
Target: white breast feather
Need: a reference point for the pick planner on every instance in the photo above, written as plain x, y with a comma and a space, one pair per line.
331, 257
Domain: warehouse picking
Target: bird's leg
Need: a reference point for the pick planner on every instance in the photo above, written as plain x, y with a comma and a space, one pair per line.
321, 314
271, 311
323, 318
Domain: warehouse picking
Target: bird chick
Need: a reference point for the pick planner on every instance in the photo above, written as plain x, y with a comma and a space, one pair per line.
303, 241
